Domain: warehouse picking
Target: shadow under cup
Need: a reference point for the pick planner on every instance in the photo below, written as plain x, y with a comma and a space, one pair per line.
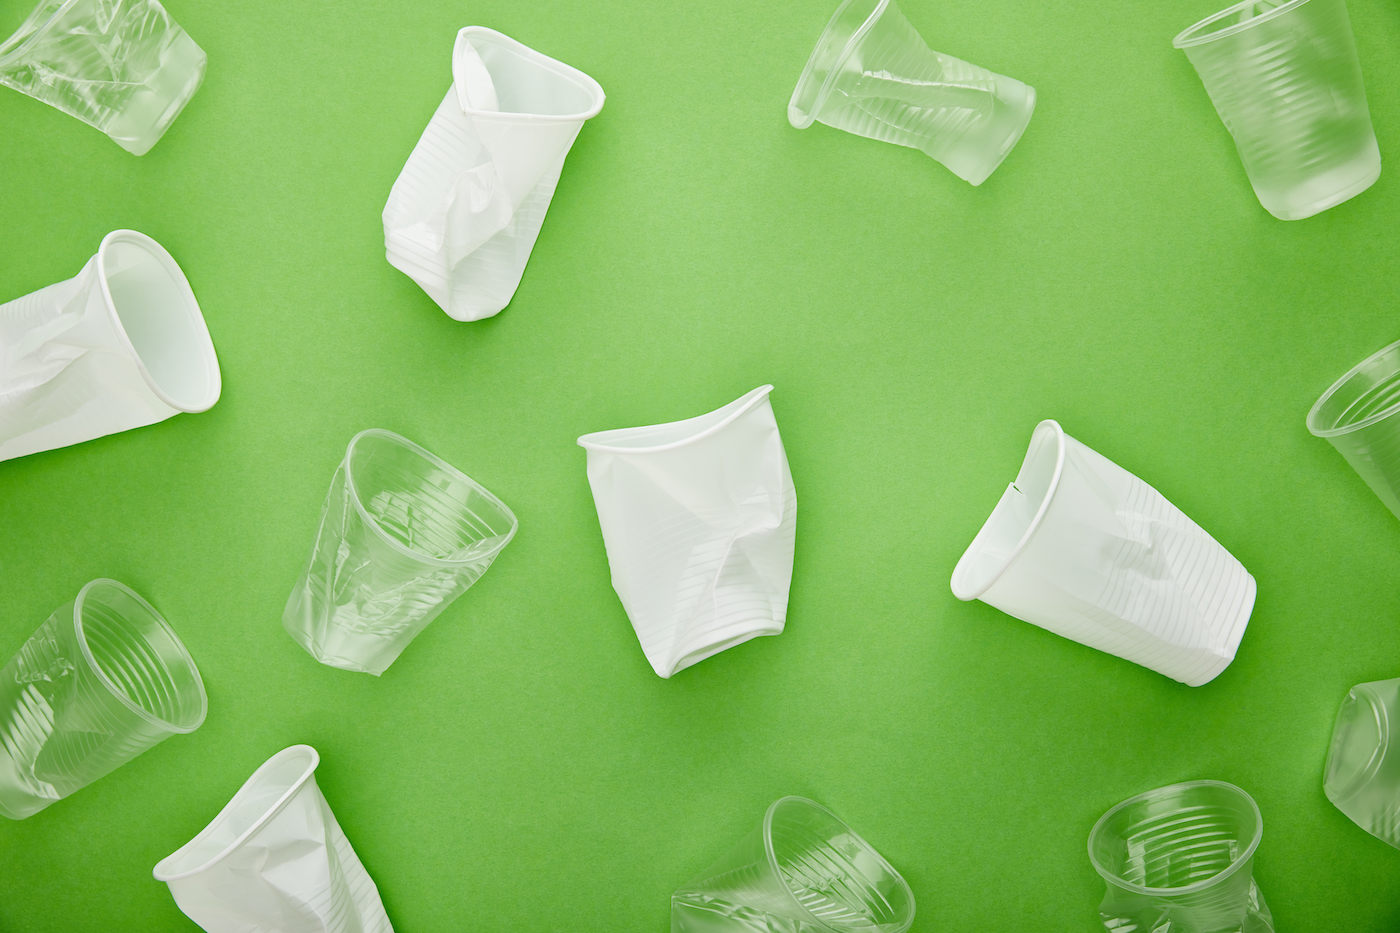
1360, 416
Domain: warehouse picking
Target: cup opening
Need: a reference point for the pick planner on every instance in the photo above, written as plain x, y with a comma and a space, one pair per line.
656, 438
1359, 742
1232, 20
530, 84
1368, 393
847, 26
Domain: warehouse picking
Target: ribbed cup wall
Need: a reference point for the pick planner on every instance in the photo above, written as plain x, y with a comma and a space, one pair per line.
1371, 391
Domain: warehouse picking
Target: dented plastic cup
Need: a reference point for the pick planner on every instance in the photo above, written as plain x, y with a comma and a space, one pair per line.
463, 216
1362, 777
100, 682
699, 519
1181, 859
873, 75
1286, 81
1360, 416
1081, 547
123, 66
403, 533
275, 859
120, 345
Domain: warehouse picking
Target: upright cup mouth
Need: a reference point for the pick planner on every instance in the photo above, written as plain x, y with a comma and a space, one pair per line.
515, 69
658, 438
1201, 33
1368, 393
843, 33
1362, 728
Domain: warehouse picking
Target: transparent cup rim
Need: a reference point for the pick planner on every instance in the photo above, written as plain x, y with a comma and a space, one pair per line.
1184, 40
1367, 773
6, 51
1248, 852
741, 405
1315, 413
111, 686
810, 114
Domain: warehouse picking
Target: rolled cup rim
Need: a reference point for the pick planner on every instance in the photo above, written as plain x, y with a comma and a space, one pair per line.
564, 70
805, 117
1316, 411
742, 405
1366, 773
1183, 39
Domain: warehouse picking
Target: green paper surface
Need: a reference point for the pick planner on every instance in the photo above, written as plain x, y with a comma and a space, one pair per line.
521, 767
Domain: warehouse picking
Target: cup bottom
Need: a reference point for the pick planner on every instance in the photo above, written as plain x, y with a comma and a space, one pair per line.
1323, 191
981, 153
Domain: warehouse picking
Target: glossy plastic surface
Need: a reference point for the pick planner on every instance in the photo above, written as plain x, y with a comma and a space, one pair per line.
1362, 775
1360, 416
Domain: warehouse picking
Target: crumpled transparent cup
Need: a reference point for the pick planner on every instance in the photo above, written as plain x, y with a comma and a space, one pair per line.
699, 519
463, 215
1286, 81
123, 66
1181, 859
403, 533
275, 859
1081, 547
873, 75
101, 681
801, 871
1360, 416
1362, 778
120, 345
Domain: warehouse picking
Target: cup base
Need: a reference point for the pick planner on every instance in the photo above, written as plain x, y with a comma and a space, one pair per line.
1323, 191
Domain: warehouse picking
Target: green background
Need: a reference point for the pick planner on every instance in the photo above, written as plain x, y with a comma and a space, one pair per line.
521, 767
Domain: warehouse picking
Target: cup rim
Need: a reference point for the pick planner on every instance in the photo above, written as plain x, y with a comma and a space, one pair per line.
1367, 772
440, 463
1183, 40
741, 405
107, 681
809, 115
33, 36
1315, 412
869, 849
1114, 878
569, 72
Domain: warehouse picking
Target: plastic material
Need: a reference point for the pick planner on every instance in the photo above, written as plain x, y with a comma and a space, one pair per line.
275, 861
402, 535
1362, 777
100, 682
464, 213
1081, 547
699, 519
120, 345
123, 66
1180, 859
873, 75
801, 871
1360, 416
1286, 81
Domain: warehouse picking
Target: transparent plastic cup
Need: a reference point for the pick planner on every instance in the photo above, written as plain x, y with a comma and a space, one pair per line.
123, 66
403, 533
1286, 81
100, 682
275, 859
1081, 547
873, 75
1362, 778
1181, 859
801, 871
1360, 416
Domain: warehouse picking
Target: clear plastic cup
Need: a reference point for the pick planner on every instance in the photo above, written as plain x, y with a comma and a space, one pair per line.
1181, 859
1360, 416
123, 66
873, 75
1286, 81
100, 682
1362, 778
403, 533
803, 871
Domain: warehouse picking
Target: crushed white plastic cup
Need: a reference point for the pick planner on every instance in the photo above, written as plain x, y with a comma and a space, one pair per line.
275, 859
1360, 416
122, 66
465, 211
873, 75
1081, 547
120, 345
1362, 777
699, 519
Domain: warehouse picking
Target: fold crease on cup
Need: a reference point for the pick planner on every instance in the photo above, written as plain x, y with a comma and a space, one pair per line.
463, 215
1081, 547
1360, 416
120, 345
872, 74
1361, 777
699, 519
275, 859
122, 66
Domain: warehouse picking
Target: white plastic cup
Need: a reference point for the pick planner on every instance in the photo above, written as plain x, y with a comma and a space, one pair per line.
1359, 415
873, 75
120, 345
275, 859
463, 215
1081, 547
699, 519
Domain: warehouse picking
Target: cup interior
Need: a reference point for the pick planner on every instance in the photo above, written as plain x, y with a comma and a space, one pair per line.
527, 82
659, 437
1359, 742
827, 57
1367, 394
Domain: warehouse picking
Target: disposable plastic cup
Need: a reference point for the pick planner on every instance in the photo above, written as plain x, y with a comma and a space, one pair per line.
1286, 81
100, 682
1360, 416
1181, 859
1081, 547
699, 519
124, 67
802, 870
403, 533
463, 215
275, 859
120, 345
1362, 777
873, 75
